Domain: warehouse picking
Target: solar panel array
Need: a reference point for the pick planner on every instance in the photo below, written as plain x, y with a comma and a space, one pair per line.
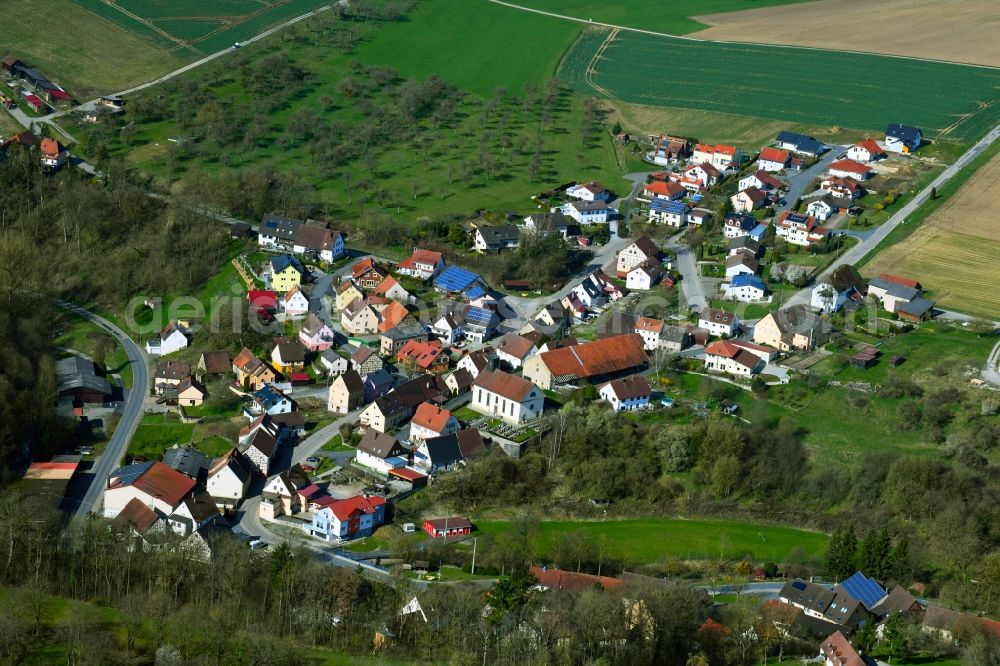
476, 291
454, 278
864, 589
675, 207
478, 316
130, 473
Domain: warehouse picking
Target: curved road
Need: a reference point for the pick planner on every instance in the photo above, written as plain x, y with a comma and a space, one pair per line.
131, 416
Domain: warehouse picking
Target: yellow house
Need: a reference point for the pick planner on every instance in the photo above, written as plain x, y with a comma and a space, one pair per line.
286, 273
251, 371
190, 393
346, 293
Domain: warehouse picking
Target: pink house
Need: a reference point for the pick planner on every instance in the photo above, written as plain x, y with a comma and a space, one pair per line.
316, 336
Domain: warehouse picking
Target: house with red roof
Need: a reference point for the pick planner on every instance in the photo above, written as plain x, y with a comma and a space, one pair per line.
660, 189
571, 581
773, 159
510, 398
697, 177
432, 421
720, 156
748, 200
367, 274
53, 154
156, 485
799, 229
422, 264
426, 355
849, 168
345, 519
845, 187
294, 303
866, 150
762, 180
735, 358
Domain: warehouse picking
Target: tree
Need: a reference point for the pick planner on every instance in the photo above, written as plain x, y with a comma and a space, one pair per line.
934, 194
876, 554
726, 475
457, 235
841, 558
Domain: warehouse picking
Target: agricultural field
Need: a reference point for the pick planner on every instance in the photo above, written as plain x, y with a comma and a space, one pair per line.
90, 67
8, 125
956, 102
648, 540
952, 248
954, 31
672, 18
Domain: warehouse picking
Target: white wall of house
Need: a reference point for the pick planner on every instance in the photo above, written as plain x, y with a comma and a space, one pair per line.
509, 411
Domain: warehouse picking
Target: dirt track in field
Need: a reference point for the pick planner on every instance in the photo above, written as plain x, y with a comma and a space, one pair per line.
954, 30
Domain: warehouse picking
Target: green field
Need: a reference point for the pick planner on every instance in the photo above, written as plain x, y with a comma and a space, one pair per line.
669, 17
155, 433
648, 540
792, 85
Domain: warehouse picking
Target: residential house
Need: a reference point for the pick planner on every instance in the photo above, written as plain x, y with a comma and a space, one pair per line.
741, 263
718, 322
800, 143
744, 245
762, 180
187, 460
346, 393
626, 394
661, 189
425, 355
496, 238
645, 276
214, 363
675, 339
836, 650
360, 318
154, 484
173, 338
194, 512
229, 479
377, 384
792, 328
514, 349
477, 361
347, 293
268, 400
477, 324
294, 303
432, 421
667, 150
391, 289
319, 241
553, 317
436, 454
422, 264
816, 601
281, 496
367, 274
748, 200
52, 153
844, 188
448, 329
190, 393
316, 335
638, 252
259, 449
169, 374
827, 205
380, 452
286, 273
671, 213
866, 150
547, 224
698, 216
587, 212
591, 191
288, 357
507, 397
277, 232
655, 333
697, 177
799, 229
720, 156
593, 362
773, 159
345, 519
732, 358
849, 169
447, 527
251, 372
843, 286
459, 381
393, 340
263, 422
893, 290
145, 526
365, 361
394, 314
737, 225
333, 363
455, 280
594, 290
746, 288
902, 138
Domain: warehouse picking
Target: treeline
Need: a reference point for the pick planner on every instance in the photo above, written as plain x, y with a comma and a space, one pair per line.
922, 519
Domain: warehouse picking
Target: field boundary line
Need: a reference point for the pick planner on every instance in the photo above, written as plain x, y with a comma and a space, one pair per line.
720, 41
141, 21
588, 74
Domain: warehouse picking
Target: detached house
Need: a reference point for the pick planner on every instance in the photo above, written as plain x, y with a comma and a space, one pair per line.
286, 273
365, 361
762, 180
902, 138
845, 188
587, 212
53, 154
229, 479
360, 318
627, 394
391, 289
347, 293
173, 338
432, 421
345, 519
697, 177
477, 361
214, 364
287, 357
842, 287
800, 143
269, 400
734, 357
251, 372
547, 224
893, 290
496, 238
661, 189
316, 335
326, 244
773, 159
156, 485
671, 213
748, 200
799, 229
380, 452
259, 449
792, 328
426, 356
589, 192
738, 225
367, 274
718, 322
422, 264
281, 496
514, 349
346, 393
334, 363
507, 397
294, 303
645, 276
746, 288
638, 252
849, 169
393, 340
720, 156
866, 150
824, 207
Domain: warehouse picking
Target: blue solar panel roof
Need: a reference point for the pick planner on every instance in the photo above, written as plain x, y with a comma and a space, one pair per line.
669, 206
799, 585
747, 280
476, 291
454, 278
864, 589
478, 316
128, 474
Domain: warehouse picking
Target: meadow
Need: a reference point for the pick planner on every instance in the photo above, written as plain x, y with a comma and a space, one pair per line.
672, 18
792, 85
648, 540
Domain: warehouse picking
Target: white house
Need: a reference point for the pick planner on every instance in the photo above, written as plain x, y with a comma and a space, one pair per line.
849, 169
741, 263
728, 357
866, 150
294, 303
671, 213
380, 452
432, 421
333, 363
738, 226
344, 519
507, 397
496, 238
156, 485
748, 200
514, 349
422, 264
259, 449
228, 479
773, 159
269, 400
587, 212
628, 394
475, 362
645, 276
799, 229
448, 329
902, 138
745, 288
762, 180
720, 156
638, 252
697, 177
173, 338
650, 330
718, 322
588, 192
840, 287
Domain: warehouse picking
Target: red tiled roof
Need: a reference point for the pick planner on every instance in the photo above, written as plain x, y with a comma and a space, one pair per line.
770, 154
421, 256
635, 386
870, 145
661, 188
515, 345
423, 353
407, 474
572, 581
902, 281
50, 147
385, 285
431, 417
504, 384
599, 357
718, 148
362, 267
345, 508
392, 315
839, 651
849, 166
136, 514
754, 194
164, 483
649, 324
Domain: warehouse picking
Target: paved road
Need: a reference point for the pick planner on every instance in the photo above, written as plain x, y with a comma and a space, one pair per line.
131, 414
990, 373
797, 182
691, 284
859, 251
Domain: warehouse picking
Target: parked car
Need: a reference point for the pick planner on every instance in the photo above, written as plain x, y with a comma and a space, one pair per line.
257, 544
312, 460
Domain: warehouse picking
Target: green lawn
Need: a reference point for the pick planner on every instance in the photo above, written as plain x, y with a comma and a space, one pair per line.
93, 341
747, 79
668, 17
336, 444
214, 447
156, 433
650, 539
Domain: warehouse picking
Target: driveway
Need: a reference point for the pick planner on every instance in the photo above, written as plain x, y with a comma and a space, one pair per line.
798, 181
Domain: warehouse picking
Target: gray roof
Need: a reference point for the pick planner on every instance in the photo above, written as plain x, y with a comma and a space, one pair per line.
501, 234
845, 277
797, 319
896, 290
918, 307
187, 461
76, 372
744, 242
589, 205
674, 334
380, 445
406, 332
